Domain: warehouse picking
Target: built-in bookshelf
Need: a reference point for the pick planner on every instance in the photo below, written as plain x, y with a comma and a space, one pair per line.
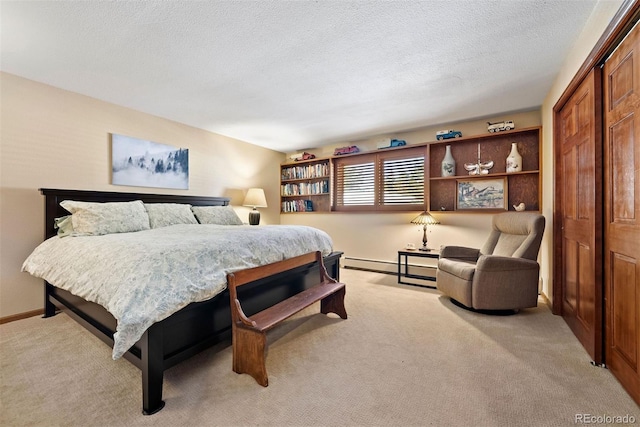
305, 186
519, 187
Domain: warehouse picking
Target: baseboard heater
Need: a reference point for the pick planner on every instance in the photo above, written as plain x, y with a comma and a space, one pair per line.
385, 267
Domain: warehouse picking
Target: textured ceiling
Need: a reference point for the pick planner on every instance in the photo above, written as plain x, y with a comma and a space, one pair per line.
295, 74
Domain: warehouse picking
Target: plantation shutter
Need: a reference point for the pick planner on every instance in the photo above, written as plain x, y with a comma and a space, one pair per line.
392, 180
354, 182
401, 177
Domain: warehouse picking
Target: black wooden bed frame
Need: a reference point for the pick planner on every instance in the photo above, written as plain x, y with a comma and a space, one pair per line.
186, 332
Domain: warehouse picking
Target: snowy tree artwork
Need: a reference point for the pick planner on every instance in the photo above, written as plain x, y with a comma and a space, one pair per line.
148, 164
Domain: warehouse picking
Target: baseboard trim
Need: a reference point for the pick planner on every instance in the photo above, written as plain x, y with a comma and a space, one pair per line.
21, 316
546, 300
384, 266
372, 270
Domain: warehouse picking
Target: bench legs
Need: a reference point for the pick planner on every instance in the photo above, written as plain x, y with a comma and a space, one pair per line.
250, 353
334, 303
250, 345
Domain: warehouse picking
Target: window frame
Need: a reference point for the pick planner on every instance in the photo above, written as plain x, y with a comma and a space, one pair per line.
378, 159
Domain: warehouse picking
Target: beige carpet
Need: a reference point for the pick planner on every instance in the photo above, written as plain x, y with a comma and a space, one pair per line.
406, 356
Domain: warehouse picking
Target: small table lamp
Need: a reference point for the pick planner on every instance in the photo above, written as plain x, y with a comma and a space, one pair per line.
255, 198
425, 219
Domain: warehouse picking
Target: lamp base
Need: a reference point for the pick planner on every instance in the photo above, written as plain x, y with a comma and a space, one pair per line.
254, 217
424, 247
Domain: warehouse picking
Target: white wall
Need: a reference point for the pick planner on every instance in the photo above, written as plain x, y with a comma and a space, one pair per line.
58, 139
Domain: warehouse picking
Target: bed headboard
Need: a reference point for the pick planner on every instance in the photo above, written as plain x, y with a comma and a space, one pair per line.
53, 197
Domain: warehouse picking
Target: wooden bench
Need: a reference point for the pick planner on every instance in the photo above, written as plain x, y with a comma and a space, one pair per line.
249, 332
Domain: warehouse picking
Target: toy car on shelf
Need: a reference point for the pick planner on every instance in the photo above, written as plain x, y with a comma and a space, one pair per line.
346, 150
306, 156
498, 126
449, 133
395, 143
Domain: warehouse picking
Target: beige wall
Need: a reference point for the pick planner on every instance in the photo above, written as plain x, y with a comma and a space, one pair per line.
58, 139
592, 31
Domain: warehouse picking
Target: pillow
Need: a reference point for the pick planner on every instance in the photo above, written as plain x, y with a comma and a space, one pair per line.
165, 214
93, 219
64, 225
221, 215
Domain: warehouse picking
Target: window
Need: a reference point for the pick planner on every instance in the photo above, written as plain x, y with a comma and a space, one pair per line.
392, 180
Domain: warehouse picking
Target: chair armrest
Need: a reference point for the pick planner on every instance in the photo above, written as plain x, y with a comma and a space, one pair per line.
460, 252
502, 263
505, 283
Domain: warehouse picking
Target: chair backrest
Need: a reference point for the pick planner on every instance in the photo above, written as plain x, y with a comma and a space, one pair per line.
515, 234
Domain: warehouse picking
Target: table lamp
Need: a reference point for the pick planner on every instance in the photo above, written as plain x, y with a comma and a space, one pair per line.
425, 219
255, 198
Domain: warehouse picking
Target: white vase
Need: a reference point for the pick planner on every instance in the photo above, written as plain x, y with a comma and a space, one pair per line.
514, 161
448, 163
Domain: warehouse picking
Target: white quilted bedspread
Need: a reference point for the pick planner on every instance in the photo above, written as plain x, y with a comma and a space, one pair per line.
145, 276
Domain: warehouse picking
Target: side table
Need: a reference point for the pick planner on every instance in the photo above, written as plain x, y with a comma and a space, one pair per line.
403, 266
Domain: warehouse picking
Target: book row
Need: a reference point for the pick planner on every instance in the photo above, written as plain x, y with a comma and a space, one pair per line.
297, 206
305, 188
319, 170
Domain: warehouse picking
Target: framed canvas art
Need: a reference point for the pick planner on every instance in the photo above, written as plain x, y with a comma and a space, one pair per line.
142, 163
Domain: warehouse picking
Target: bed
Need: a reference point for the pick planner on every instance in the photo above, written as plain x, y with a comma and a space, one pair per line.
187, 331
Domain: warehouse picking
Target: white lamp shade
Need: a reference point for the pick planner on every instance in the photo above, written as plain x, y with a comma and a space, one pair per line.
255, 198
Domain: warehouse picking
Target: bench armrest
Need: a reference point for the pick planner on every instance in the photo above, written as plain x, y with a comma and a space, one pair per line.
243, 317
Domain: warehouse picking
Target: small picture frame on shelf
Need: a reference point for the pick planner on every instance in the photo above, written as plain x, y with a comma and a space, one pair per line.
482, 194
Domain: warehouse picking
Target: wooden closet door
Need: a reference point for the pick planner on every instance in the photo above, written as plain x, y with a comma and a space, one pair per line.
622, 212
578, 215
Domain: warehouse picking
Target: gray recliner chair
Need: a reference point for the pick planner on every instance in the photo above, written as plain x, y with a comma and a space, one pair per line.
503, 274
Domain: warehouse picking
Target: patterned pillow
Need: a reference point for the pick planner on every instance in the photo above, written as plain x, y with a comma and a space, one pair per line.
221, 215
105, 218
165, 214
64, 225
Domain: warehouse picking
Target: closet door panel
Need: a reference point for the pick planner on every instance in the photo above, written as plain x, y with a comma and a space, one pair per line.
622, 212
578, 180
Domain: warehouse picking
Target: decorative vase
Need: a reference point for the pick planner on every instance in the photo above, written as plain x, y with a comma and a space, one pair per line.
448, 163
514, 161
